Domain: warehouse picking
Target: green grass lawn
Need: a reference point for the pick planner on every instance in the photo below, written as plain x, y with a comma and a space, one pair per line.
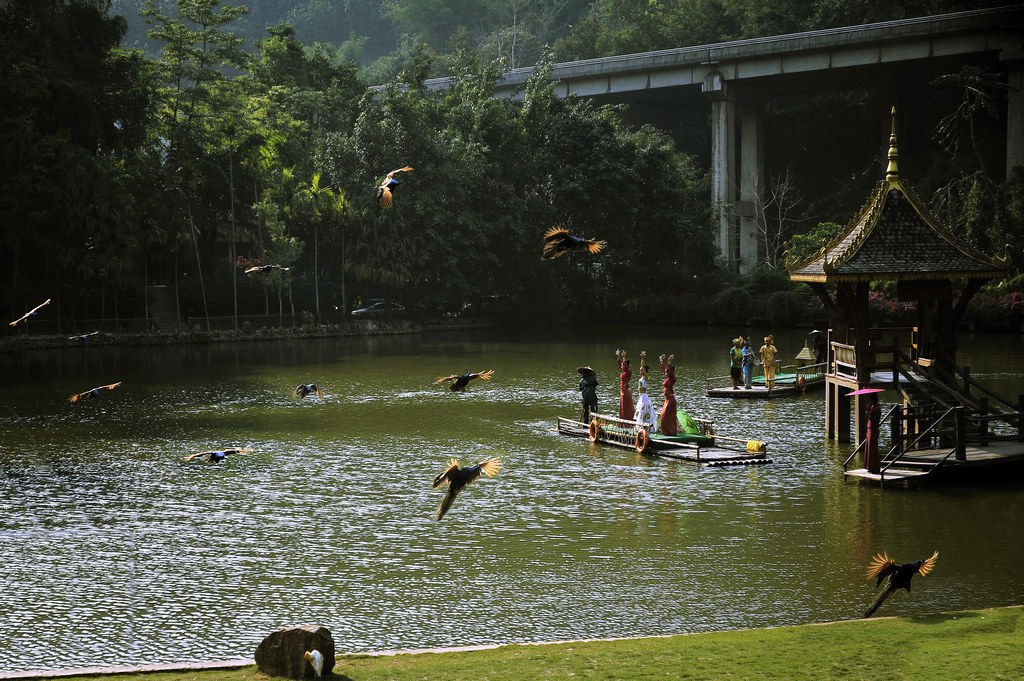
977, 644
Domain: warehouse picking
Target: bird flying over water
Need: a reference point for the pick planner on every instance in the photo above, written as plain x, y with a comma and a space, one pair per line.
83, 336
265, 269
899, 575
307, 389
95, 392
29, 313
461, 381
385, 189
457, 477
558, 241
216, 456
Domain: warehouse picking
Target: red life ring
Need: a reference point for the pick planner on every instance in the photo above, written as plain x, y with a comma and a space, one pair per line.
642, 440
595, 431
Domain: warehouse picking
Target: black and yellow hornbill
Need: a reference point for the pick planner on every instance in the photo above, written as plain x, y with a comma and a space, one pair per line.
459, 382
457, 477
558, 241
883, 566
385, 188
216, 456
94, 392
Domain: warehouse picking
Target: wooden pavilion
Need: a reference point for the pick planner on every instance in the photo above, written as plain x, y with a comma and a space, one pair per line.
894, 238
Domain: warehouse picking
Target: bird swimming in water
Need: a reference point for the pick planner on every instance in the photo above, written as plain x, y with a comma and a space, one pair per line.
899, 575
385, 189
461, 381
95, 392
264, 269
29, 313
83, 336
216, 456
307, 389
457, 477
558, 241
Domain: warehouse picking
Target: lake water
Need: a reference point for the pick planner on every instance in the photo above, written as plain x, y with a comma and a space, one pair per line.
116, 551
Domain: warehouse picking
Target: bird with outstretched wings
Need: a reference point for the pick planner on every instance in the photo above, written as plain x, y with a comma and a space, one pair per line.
558, 241
265, 269
883, 566
29, 313
457, 477
459, 381
307, 389
93, 392
386, 188
216, 455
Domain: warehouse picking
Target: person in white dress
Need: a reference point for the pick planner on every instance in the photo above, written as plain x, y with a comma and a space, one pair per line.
644, 407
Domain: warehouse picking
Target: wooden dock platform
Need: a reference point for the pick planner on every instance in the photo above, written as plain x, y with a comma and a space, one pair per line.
786, 385
631, 435
921, 464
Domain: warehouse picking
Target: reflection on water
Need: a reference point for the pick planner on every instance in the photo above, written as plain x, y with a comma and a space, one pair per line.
118, 552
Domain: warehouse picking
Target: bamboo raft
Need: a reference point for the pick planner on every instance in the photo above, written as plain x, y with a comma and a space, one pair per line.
701, 448
786, 385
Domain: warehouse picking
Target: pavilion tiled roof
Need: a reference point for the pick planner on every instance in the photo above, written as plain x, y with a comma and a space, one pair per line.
894, 237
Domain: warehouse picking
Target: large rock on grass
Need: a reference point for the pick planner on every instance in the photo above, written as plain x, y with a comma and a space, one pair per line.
282, 653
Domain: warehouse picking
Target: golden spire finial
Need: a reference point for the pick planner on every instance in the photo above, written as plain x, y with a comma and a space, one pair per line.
893, 171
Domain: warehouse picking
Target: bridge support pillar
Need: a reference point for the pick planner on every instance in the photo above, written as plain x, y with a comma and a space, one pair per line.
737, 179
723, 163
750, 208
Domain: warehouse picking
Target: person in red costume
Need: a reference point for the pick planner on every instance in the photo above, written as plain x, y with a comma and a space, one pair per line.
669, 422
626, 407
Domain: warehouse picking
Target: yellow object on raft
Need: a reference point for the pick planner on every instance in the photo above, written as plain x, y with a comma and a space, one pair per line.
755, 446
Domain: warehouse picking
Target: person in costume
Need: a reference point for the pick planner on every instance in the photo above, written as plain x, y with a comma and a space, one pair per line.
626, 408
644, 412
748, 364
873, 414
768, 353
669, 422
736, 362
588, 388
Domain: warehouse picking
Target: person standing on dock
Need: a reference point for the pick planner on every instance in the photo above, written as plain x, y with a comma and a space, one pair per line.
748, 364
644, 408
768, 352
669, 422
736, 361
588, 387
626, 408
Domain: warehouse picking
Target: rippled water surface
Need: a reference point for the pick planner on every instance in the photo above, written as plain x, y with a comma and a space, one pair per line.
116, 551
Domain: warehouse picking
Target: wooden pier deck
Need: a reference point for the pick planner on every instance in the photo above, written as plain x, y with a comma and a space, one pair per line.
785, 386
921, 464
668, 447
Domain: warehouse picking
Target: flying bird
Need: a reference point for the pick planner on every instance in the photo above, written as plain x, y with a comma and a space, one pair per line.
216, 456
558, 241
264, 269
95, 392
458, 477
899, 575
385, 189
461, 381
307, 389
29, 313
83, 336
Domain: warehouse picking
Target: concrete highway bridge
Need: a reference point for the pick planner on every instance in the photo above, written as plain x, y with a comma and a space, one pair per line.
736, 80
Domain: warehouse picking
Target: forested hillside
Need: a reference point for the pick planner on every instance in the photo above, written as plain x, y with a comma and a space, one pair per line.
179, 144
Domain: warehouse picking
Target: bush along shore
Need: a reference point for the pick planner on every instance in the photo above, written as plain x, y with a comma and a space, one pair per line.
973, 644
